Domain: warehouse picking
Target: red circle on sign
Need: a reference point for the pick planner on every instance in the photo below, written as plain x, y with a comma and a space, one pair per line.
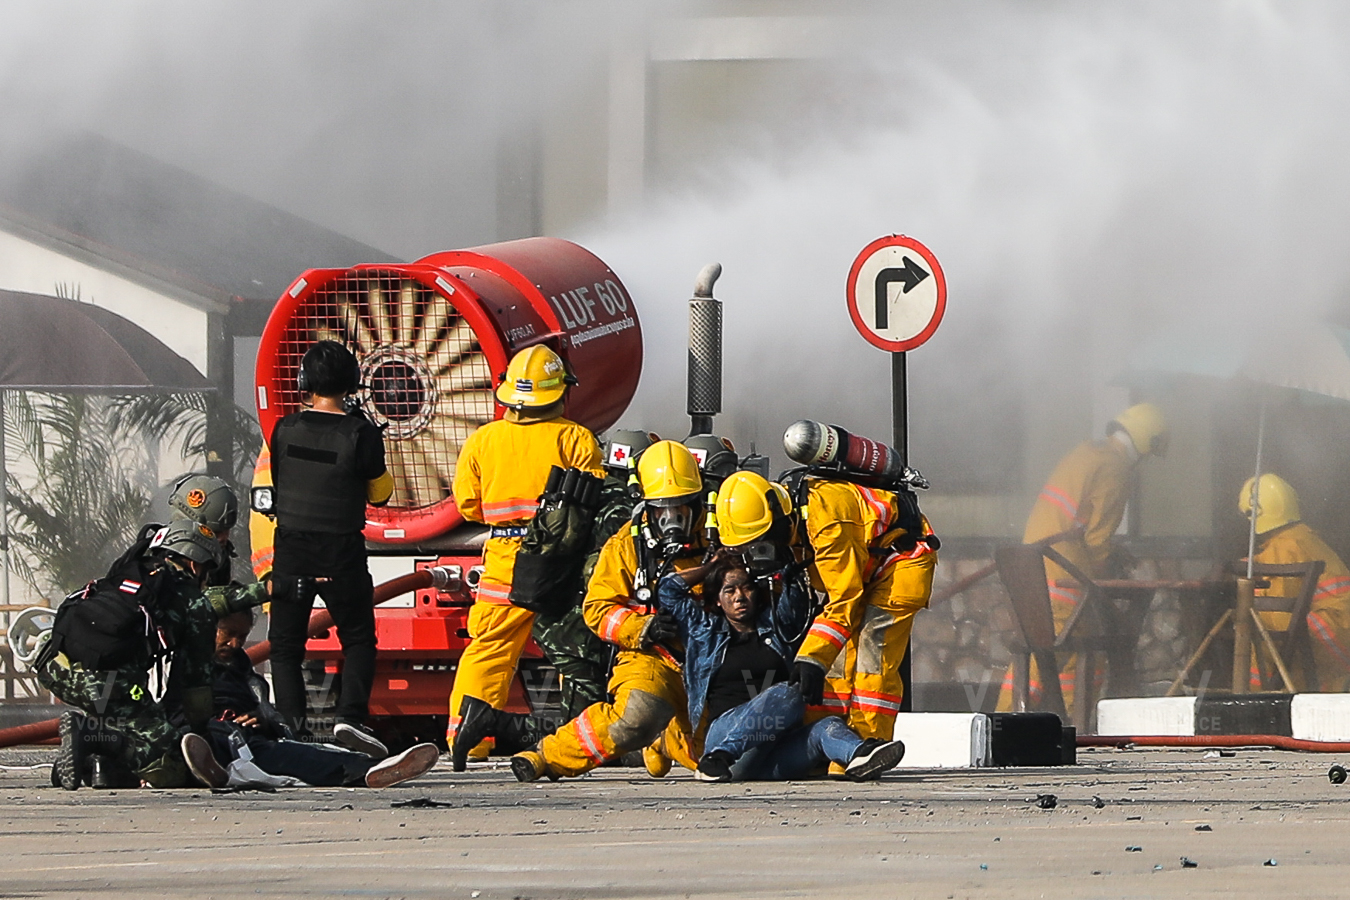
939, 280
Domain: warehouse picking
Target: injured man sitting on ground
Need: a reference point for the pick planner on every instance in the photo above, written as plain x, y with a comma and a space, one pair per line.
250, 743
738, 641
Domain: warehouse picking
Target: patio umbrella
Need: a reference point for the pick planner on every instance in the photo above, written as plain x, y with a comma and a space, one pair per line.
66, 347
1308, 359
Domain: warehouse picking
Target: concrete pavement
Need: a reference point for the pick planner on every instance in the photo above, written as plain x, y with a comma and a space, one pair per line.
617, 833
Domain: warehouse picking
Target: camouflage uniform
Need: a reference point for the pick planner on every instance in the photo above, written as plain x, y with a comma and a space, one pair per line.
580, 657
120, 698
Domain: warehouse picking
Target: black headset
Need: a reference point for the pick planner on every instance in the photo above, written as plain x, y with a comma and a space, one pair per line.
327, 353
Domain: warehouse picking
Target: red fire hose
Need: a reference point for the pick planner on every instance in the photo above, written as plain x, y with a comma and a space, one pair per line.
1277, 741
319, 623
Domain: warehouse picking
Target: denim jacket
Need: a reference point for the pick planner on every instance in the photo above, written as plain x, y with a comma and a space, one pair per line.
781, 625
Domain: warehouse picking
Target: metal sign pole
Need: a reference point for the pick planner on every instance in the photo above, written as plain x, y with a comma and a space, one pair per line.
896, 295
900, 438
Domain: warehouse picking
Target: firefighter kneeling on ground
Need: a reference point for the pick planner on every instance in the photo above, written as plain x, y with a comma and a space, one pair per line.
107, 637
502, 470
1283, 538
872, 552
647, 686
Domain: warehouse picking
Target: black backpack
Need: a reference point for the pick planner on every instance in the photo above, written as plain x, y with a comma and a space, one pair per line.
111, 623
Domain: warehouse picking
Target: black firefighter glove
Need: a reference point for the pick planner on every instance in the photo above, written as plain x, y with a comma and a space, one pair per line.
660, 627
810, 680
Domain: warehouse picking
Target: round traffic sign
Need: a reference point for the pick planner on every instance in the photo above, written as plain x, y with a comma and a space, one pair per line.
896, 293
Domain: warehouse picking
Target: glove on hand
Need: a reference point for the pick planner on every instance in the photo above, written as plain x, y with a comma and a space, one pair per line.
660, 627
810, 680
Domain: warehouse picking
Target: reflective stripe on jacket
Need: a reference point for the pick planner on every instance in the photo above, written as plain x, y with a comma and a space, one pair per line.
1087, 490
848, 527
611, 608
501, 473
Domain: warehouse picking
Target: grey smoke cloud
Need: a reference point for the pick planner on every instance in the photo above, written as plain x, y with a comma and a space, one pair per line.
1084, 172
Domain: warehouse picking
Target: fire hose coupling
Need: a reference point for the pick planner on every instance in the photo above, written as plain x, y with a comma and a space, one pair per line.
446, 578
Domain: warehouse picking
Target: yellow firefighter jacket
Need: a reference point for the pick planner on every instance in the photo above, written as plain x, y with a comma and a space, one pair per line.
262, 529
1088, 490
611, 608
1329, 615
851, 529
500, 475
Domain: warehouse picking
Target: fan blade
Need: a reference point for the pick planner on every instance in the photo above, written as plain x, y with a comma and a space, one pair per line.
355, 324
379, 313
407, 311
422, 476
471, 372
437, 316
452, 347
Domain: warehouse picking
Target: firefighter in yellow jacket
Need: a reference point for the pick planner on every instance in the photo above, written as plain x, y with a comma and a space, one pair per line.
501, 472
1080, 507
872, 555
1283, 539
647, 684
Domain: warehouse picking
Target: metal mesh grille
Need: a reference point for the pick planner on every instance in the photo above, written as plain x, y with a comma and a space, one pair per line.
424, 375
705, 357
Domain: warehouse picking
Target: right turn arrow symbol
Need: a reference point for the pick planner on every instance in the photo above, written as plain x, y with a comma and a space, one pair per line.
910, 276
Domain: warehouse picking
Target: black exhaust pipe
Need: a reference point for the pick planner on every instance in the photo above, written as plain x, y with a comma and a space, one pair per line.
704, 384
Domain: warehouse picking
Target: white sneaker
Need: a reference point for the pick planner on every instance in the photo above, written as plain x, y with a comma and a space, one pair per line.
360, 739
872, 758
409, 764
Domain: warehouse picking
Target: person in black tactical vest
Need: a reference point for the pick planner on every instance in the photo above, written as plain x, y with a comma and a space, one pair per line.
108, 636
327, 463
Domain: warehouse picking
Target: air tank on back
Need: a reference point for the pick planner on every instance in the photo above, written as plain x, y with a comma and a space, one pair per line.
433, 339
813, 443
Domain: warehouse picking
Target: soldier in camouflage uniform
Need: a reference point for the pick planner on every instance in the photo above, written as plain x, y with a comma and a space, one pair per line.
121, 720
581, 658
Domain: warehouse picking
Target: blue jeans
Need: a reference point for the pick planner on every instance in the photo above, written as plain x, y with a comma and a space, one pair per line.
767, 739
799, 753
756, 722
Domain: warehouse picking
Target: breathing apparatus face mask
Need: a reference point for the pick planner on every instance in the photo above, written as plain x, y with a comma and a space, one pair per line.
674, 525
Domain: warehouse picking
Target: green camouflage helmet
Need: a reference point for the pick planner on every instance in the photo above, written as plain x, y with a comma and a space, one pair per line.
206, 500
192, 540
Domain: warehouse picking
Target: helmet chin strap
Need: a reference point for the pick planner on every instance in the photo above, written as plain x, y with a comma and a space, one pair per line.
1123, 438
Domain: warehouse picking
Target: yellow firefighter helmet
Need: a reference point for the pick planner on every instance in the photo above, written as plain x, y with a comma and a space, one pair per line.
668, 474
744, 510
1146, 426
534, 378
1276, 503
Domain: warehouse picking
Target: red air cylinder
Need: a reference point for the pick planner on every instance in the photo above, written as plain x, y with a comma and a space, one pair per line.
814, 443
434, 337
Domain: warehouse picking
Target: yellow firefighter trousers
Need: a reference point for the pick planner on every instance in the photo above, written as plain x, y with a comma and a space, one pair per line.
864, 685
498, 634
648, 694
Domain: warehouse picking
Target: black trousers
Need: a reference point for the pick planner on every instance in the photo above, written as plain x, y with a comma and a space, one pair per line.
351, 600
311, 763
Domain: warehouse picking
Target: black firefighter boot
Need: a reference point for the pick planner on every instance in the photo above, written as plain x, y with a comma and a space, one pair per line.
478, 720
82, 738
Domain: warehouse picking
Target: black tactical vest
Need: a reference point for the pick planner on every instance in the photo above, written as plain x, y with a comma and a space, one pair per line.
314, 461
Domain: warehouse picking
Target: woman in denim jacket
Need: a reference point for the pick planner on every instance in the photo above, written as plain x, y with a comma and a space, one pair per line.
738, 641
